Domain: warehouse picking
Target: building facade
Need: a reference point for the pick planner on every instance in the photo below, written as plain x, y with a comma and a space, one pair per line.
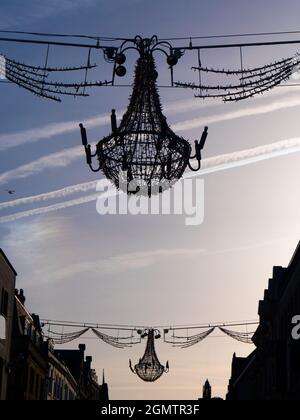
29, 364
272, 371
30, 368
61, 385
80, 367
7, 292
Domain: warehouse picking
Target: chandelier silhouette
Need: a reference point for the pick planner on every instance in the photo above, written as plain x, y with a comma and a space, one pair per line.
149, 368
143, 155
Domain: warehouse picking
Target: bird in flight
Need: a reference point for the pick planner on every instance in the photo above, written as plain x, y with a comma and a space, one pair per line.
10, 192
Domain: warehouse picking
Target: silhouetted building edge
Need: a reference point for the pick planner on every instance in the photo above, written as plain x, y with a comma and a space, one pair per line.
272, 371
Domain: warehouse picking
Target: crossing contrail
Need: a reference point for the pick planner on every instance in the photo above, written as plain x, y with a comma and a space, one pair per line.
53, 195
210, 166
57, 129
66, 157
290, 102
48, 131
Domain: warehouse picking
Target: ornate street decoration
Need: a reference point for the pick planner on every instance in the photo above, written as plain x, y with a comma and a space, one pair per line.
149, 368
143, 155
239, 84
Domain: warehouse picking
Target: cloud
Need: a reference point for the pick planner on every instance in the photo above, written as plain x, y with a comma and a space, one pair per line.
117, 264
123, 263
210, 165
21, 14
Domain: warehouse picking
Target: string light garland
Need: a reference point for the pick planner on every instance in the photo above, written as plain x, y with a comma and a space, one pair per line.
118, 342
239, 336
250, 82
186, 341
36, 79
65, 338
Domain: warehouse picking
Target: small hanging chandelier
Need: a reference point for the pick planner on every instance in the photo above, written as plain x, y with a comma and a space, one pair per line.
149, 368
143, 155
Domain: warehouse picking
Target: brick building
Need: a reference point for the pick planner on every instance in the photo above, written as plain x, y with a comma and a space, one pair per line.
7, 292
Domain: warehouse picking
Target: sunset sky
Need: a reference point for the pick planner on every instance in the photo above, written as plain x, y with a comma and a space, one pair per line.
150, 270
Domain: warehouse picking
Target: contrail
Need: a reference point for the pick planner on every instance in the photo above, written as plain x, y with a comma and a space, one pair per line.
55, 160
247, 157
291, 102
49, 209
48, 131
68, 156
211, 165
52, 130
53, 195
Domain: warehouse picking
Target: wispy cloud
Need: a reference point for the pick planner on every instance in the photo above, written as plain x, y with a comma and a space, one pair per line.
126, 262
117, 264
211, 165
13, 14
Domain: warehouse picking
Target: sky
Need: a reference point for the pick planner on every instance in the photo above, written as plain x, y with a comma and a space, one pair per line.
76, 265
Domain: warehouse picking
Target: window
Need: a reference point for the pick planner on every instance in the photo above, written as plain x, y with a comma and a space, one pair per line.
31, 381
1, 373
37, 386
4, 303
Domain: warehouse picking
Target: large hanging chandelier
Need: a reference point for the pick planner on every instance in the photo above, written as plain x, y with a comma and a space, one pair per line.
143, 155
149, 368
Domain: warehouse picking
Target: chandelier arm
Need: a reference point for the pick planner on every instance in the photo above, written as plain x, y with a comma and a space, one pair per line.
131, 368
95, 170
195, 169
161, 50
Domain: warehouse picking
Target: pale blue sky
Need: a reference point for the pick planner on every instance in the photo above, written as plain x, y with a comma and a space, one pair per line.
214, 272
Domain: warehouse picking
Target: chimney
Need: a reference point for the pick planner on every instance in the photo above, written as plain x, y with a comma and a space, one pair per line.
82, 350
89, 360
21, 296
